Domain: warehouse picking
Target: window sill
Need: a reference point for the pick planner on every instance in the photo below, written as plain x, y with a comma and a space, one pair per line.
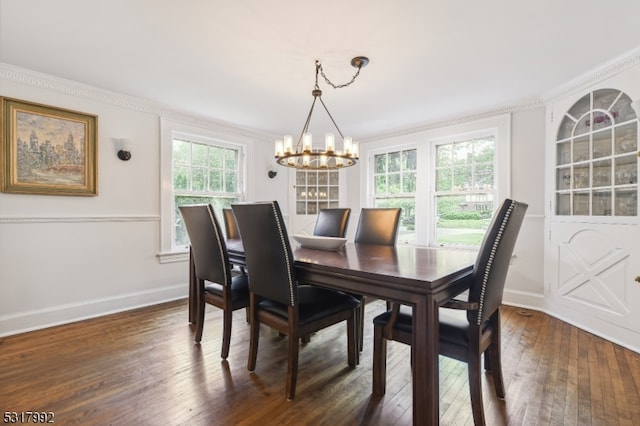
174, 256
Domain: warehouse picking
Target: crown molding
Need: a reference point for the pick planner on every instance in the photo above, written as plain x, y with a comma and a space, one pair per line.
460, 119
48, 82
580, 84
587, 80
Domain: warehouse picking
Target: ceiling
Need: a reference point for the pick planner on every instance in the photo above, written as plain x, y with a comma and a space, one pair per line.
251, 62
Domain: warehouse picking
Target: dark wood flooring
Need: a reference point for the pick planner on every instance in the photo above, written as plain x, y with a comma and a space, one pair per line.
142, 368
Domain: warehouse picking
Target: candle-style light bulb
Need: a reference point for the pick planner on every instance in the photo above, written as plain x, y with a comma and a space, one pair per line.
307, 142
330, 143
347, 145
288, 144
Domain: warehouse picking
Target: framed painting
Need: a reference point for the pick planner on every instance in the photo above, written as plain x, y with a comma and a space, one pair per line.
47, 150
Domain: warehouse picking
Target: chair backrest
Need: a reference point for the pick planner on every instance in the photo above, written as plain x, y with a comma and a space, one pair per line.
207, 243
267, 251
230, 225
378, 226
332, 222
494, 257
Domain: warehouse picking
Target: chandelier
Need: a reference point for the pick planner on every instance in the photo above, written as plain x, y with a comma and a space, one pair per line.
302, 155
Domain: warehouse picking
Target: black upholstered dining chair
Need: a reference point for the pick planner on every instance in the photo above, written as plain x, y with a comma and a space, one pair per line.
230, 224
215, 284
467, 328
232, 232
378, 225
332, 222
276, 298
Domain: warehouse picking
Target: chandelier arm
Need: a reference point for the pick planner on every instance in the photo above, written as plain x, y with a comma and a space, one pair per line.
331, 117
306, 123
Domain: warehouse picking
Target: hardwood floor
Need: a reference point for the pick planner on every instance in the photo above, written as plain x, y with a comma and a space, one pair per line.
142, 367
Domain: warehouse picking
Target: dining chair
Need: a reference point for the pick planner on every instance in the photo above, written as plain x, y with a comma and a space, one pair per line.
378, 225
332, 222
277, 299
215, 283
468, 329
232, 232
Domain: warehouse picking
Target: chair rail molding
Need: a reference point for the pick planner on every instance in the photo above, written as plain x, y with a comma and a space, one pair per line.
77, 219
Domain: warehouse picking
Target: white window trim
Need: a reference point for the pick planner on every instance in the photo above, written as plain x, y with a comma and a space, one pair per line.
168, 131
425, 142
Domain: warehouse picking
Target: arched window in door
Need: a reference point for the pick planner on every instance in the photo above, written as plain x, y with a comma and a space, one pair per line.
596, 157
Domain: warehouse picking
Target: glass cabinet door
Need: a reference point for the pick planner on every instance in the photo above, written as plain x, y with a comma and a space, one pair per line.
597, 157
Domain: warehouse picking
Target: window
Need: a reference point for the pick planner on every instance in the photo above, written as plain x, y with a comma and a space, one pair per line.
198, 165
464, 190
203, 173
394, 176
447, 180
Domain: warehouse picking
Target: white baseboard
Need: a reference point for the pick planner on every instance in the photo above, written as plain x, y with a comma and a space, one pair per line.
63, 314
523, 299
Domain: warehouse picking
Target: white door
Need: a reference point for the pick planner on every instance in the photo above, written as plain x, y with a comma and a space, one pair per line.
310, 192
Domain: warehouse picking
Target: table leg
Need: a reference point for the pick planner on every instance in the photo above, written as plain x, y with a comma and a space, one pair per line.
426, 384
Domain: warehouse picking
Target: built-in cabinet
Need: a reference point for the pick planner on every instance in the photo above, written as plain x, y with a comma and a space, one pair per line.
596, 167
592, 252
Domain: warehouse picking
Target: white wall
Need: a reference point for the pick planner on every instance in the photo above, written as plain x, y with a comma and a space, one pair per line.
525, 284
67, 258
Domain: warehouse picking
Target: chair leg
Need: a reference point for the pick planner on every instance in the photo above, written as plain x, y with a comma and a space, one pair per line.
360, 324
227, 320
200, 316
379, 361
475, 388
254, 334
352, 337
496, 364
292, 366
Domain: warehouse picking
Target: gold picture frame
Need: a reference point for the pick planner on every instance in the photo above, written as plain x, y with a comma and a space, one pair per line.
47, 150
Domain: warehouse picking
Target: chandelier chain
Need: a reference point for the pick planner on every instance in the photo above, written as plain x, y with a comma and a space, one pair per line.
326, 79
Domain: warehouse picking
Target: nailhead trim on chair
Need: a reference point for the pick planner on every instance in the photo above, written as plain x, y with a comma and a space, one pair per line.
494, 248
286, 256
217, 233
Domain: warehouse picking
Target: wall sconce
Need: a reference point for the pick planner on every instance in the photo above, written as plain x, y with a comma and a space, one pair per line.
123, 146
272, 170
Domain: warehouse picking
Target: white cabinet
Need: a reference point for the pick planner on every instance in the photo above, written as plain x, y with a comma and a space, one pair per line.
592, 252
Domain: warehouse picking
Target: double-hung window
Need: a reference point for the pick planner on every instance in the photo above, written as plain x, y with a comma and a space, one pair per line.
394, 176
447, 180
203, 173
464, 193
198, 166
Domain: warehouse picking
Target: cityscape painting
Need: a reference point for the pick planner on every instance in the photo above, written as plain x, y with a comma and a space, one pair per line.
47, 150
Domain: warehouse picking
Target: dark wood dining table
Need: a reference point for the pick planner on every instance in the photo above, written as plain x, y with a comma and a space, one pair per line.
421, 277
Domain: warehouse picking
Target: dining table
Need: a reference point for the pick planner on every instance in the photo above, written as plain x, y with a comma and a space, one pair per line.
423, 278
